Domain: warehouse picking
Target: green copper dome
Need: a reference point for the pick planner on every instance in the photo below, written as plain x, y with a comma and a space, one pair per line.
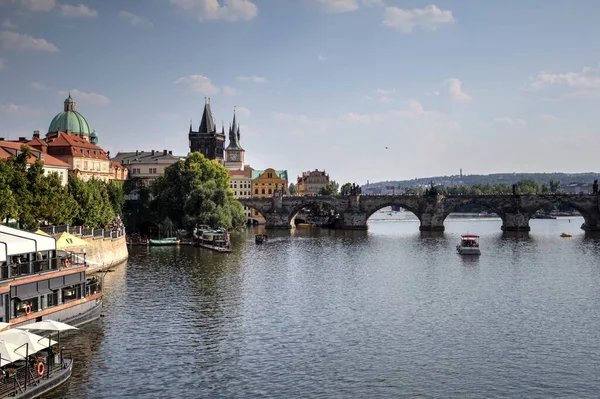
69, 119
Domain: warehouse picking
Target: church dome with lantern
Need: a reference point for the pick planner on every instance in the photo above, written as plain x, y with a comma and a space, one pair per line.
73, 122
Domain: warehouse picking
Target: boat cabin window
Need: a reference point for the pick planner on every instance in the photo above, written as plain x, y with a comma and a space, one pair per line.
71, 293
52, 299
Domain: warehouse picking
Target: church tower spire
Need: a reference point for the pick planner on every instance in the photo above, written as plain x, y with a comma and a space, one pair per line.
234, 137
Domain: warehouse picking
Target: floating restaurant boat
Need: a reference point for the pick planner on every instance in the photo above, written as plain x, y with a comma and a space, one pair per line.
38, 282
469, 245
216, 240
566, 235
32, 365
171, 241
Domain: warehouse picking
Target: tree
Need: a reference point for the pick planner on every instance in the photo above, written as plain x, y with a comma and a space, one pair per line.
554, 185
116, 196
346, 189
196, 191
330, 189
292, 189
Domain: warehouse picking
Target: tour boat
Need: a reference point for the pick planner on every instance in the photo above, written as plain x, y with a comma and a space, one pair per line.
216, 240
260, 238
566, 235
469, 245
165, 242
39, 282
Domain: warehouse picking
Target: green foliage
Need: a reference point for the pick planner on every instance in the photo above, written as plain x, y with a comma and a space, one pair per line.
346, 189
331, 189
292, 189
30, 196
196, 191
116, 196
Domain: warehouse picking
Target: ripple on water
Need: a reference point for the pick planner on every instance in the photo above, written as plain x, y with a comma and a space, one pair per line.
318, 313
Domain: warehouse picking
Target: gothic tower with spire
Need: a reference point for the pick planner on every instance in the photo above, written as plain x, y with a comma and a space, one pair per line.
234, 152
207, 140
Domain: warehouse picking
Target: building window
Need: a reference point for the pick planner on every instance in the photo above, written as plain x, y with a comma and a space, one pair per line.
270, 191
77, 164
256, 191
263, 190
85, 165
104, 166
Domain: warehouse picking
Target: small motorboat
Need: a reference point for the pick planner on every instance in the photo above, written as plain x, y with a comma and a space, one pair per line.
260, 239
170, 241
566, 235
469, 245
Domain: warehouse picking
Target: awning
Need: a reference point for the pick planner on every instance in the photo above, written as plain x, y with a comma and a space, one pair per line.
18, 242
67, 240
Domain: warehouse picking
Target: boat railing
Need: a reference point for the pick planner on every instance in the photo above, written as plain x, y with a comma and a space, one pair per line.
29, 267
18, 377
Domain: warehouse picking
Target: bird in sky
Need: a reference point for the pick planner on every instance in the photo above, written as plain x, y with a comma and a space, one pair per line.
386, 148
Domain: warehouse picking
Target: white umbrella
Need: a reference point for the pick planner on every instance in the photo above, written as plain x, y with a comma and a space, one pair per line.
3, 325
10, 353
47, 325
20, 337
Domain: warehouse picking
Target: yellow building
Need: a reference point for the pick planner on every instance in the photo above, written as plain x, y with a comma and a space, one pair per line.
265, 183
240, 181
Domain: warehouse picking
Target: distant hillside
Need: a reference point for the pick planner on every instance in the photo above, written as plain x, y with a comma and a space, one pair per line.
471, 180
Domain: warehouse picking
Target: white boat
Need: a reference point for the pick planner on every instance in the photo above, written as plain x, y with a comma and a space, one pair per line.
469, 245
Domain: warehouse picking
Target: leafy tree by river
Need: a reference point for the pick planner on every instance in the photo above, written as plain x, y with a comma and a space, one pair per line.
31, 197
196, 191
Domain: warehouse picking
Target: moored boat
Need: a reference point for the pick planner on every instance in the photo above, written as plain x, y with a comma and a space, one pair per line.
39, 282
216, 240
260, 238
469, 245
171, 241
566, 235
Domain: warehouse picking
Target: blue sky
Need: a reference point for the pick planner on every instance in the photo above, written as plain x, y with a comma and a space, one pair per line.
485, 86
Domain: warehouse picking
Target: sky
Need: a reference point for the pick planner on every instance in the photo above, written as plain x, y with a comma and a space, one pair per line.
369, 90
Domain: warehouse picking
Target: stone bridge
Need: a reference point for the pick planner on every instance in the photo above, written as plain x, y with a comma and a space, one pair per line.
352, 212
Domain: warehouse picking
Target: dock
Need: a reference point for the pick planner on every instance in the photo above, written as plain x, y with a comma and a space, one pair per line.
214, 247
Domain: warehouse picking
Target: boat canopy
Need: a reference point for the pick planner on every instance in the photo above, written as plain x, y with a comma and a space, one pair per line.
470, 236
17, 242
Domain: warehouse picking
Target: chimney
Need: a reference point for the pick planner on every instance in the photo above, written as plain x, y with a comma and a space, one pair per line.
152, 152
170, 152
36, 134
108, 154
164, 152
137, 152
22, 139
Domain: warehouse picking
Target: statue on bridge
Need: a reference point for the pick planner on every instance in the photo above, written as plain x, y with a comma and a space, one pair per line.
432, 191
355, 189
595, 187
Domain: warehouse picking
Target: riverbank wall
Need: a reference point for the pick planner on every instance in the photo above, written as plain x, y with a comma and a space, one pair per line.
103, 252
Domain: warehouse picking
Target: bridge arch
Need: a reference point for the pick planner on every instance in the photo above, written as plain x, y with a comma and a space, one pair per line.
393, 202
590, 218
317, 202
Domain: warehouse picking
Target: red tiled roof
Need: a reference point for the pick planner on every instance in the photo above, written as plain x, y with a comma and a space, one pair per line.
48, 159
246, 173
36, 141
79, 147
115, 164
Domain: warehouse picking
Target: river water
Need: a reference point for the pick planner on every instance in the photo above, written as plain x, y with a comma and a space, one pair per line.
316, 313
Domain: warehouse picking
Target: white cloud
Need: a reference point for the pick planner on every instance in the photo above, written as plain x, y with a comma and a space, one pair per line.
242, 111
204, 85
385, 100
230, 91
321, 57
385, 92
549, 117
253, 79
33, 5
435, 93
583, 84
406, 21
9, 108
16, 41
510, 121
38, 86
78, 11
229, 10
340, 6
135, 20
85, 97
455, 90
7, 24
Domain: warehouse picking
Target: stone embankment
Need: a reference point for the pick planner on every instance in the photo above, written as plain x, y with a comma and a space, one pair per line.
106, 248
103, 253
